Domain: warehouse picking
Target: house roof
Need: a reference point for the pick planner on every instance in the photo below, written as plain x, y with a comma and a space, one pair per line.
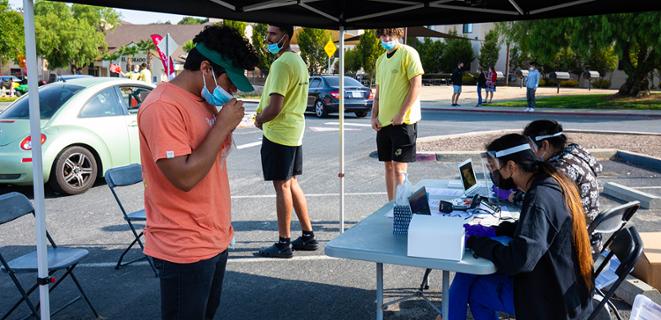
127, 33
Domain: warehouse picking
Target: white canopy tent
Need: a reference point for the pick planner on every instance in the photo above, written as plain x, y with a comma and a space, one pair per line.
329, 14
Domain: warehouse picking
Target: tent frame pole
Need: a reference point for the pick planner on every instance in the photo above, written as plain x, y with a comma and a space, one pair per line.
37, 162
341, 116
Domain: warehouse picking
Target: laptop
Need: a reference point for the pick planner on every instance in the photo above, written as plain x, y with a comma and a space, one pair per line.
419, 202
468, 178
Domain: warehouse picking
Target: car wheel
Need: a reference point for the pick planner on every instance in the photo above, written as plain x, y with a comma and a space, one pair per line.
320, 109
361, 114
75, 171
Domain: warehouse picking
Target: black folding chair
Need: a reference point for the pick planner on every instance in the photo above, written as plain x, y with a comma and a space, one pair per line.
611, 221
627, 246
15, 205
126, 176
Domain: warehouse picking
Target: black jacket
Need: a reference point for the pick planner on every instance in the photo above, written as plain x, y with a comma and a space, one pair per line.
457, 77
540, 257
482, 80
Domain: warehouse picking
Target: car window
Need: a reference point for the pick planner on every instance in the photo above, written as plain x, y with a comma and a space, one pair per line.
132, 97
316, 83
106, 103
51, 99
348, 81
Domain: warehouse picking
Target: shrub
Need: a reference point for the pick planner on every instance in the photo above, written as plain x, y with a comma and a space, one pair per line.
601, 84
569, 83
469, 79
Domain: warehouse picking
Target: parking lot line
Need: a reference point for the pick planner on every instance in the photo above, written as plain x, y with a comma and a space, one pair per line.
230, 260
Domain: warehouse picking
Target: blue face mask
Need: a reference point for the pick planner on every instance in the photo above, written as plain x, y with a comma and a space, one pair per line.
219, 96
389, 45
274, 48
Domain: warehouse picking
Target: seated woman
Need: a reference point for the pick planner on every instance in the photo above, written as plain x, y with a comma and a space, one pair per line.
546, 270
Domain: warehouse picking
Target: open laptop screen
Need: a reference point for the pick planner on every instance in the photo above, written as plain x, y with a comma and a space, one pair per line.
467, 176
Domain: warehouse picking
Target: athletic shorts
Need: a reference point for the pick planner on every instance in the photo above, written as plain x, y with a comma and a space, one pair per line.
397, 143
456, 88
280, 162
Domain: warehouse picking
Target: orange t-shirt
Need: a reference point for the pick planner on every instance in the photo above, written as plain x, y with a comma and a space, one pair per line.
182, 227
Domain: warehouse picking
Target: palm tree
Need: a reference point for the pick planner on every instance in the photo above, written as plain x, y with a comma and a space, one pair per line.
148, 47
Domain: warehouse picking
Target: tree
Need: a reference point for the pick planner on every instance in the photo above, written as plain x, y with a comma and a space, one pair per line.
430, 52
636, 38
456, 50
65, 40
490, 49
12, 43
259, 32
369, 49
102, 18
148, 47
188, 46
238, 25
311, 41
352, 60
193, 20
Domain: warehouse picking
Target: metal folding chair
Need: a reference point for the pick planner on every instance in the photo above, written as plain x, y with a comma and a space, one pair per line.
627, 246
121, 177
15, 205
611, 221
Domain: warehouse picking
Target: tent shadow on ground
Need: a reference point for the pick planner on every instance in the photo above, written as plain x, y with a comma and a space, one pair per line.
250, 225
133, 293
28, 191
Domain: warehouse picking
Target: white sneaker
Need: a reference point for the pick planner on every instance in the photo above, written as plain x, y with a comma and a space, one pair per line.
531, 110
527, 110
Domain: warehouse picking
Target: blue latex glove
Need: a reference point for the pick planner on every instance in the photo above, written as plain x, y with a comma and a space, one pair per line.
502, 194
478, 230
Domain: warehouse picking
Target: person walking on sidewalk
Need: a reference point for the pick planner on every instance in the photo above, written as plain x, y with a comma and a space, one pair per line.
396, 108
280, 115
457, 80
184, 143
532, 82
492, 77
481, 83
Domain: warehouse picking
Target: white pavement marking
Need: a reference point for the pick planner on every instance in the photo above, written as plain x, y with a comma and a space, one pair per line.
249, 145
231, 260
257, 196
650, 187
348, 124
325, 129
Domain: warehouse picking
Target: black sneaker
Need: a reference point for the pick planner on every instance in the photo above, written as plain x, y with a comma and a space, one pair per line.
275, 252
301, 244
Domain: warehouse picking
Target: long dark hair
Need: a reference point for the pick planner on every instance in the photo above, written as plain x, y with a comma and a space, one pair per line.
528, 162
546, 127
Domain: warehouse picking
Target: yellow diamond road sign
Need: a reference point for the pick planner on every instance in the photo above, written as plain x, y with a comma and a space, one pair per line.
330, 48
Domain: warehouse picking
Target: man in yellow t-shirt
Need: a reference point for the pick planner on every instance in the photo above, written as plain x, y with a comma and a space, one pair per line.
280, 115
396, 108
133, 74
145, 74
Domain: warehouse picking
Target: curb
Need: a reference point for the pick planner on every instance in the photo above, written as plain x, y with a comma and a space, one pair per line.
546, 112
505, 131
618, 191
639, 160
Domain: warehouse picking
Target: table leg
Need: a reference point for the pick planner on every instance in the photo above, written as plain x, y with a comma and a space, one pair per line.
379, 291
446, 294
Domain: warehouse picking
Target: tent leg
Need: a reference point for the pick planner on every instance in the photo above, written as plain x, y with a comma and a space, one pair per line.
37, 166
341, 110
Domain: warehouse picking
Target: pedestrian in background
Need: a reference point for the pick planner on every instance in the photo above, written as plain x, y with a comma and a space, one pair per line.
457, 80
492, 77
481, 84
532, 82
145, 74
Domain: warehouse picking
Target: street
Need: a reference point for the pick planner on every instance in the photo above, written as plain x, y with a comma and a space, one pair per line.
309, 282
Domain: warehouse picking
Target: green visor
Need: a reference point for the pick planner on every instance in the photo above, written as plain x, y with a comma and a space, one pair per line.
235, 74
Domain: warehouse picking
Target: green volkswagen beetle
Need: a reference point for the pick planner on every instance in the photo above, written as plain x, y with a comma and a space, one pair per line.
88, 126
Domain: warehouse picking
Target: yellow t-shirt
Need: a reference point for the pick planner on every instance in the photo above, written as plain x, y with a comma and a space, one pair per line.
288, 77
145, 75
134, 75
392, 77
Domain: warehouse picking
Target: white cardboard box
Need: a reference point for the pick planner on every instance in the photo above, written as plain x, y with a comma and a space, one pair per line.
436, 237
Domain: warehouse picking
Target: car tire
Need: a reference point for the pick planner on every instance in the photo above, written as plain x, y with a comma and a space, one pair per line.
320, 109
75, 171
361, 114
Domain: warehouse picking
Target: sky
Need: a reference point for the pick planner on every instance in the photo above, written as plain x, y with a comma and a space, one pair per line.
132, 16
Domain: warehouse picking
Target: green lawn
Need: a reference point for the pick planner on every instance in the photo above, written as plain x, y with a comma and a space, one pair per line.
594, 101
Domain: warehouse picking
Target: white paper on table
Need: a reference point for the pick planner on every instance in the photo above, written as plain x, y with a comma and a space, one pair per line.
444, 192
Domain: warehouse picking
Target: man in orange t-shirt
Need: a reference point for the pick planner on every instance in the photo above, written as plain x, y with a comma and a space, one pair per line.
183, 144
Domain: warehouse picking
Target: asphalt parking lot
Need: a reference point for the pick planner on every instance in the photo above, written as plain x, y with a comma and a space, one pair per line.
311, 285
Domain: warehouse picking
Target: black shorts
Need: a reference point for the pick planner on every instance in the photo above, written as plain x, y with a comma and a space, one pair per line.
280, 162
397, 143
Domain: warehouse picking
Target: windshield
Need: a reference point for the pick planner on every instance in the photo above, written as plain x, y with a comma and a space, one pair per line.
348, 82
51, 99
